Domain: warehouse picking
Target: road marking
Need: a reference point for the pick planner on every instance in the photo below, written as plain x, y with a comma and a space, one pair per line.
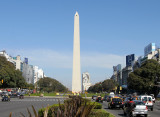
29, 100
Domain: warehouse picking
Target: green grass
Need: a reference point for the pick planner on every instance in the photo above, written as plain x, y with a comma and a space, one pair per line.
91, 94
45, 94
65, 94
100, 113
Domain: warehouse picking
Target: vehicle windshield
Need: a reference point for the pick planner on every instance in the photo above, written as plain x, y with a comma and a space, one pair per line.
116, 100
147, 99
139, 103
144, 99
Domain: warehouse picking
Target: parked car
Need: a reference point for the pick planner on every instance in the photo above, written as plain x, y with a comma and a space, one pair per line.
21, 96
139, 109
94, 97
5, 98
147, 99
99, 99
116, 102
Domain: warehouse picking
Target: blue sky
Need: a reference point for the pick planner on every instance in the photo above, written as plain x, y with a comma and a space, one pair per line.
42, 30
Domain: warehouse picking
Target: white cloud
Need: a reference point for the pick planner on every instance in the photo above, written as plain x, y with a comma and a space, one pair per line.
54, 59
101, 60
59, 64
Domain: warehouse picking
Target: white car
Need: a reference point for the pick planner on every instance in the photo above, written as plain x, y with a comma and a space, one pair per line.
139, 109
147, 99
153, 98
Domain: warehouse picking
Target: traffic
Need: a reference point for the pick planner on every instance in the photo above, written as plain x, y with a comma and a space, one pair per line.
130, 105
6, 94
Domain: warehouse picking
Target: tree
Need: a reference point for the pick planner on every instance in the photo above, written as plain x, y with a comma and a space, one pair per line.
49, 84
144, 79
11, 77
106, 85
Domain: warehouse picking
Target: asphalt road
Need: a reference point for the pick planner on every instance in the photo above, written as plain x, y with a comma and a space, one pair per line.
20, 105
119, 112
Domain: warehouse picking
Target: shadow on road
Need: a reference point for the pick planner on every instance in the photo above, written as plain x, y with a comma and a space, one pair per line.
121, 115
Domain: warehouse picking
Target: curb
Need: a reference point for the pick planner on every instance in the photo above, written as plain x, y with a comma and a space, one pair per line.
45, 97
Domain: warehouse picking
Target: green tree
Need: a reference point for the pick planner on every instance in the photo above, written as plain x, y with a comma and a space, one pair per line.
51, 85
11, 78
144, 79
106, 85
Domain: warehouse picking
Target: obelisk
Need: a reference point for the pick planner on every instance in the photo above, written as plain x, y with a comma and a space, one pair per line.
76, 73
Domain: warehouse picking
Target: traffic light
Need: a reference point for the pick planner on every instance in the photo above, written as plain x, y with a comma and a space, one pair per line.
2, 81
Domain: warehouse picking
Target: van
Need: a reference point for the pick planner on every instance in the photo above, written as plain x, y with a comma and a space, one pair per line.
147, 100
111, 94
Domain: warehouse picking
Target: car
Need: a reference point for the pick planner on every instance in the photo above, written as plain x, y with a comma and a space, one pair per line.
147, 99
94, 97
153, 98
109, 98
126, 100
116, 102
139, 109
21, 96
105, 98
5, 98
111, 94
158, 96
99, 99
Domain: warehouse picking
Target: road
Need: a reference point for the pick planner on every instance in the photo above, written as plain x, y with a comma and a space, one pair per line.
20, 105
119, 112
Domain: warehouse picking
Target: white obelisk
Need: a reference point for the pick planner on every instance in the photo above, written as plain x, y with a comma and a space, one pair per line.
76, 73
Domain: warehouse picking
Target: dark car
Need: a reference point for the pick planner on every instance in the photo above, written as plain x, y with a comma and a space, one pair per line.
105, 98
115, 103
94, 97
99, 99
5, 98
109, 98
21, 96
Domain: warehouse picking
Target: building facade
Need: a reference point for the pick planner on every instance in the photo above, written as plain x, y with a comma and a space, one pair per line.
28, 73
38, 73
117, 74
18, 63
85, 81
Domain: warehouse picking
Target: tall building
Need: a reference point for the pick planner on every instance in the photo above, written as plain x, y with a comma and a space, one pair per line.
8, 57
18, 62
85, 81
125, 74
38, 73
76, 73
149, 49
117, 74
129, 59
28, 73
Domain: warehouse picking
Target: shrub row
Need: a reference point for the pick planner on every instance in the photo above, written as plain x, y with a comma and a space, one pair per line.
100, 113
97, 111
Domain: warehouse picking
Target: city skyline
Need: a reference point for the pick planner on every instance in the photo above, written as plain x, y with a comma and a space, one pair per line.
43, 32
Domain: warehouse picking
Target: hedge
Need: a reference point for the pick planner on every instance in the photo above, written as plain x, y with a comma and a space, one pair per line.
50, 108
96, 104
100, 113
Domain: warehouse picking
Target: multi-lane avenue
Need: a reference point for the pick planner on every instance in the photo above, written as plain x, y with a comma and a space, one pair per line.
20, 105
119, 112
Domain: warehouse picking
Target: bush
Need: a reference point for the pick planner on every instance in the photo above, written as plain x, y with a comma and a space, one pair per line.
100, 113
41, 112
96, 105
51, 109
